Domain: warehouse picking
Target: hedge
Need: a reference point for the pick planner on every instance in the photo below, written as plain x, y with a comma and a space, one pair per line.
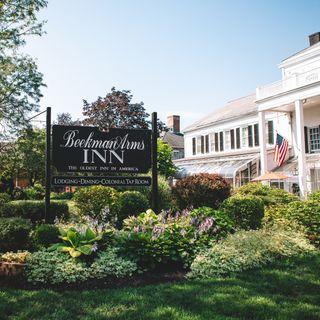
34, 210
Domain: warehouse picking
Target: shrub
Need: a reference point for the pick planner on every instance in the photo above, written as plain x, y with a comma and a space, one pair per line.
93, 200
55, 268
4, 198
249, 249
131, 203
14, 233
109, 265
269, 196
201, 190
18, 194
61, 195
165, 240
315, 196
36, 192
305, 213
34, 210
45, 235
246, 211
16, 257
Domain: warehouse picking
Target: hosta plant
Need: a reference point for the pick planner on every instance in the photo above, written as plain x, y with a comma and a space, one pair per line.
77, 242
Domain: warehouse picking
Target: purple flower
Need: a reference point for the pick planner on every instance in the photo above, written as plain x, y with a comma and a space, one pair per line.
206, 225
157, 231
94, 247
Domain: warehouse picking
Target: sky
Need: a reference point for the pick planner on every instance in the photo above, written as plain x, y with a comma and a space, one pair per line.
185, 57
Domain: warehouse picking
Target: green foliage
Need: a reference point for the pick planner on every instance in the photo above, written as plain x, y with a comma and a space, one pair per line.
116, 110
45, 235
34, 210
61, 195
20, 81
92, 201
36, 192
249, 249
55, 268
14, 233
131, 203
76, 242
165, 163
27, 157
165, 240
19, 194
246, 211
305, 213
109, 265
269, 196
4, 198
202, 189
315, 196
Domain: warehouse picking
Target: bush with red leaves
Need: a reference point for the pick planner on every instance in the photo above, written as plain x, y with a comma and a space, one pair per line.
202, 189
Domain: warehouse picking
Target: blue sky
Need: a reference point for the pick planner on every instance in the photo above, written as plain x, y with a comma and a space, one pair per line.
185, 57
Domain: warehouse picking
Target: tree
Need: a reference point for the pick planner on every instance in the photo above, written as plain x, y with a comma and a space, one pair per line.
65, 119
25, 157
116, 110
20, 80
165, 164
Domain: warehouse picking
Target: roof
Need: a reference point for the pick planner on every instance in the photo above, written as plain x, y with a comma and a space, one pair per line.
174, 140
232, 109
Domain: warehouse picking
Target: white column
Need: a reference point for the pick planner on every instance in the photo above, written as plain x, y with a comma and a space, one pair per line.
301, 148
263, 140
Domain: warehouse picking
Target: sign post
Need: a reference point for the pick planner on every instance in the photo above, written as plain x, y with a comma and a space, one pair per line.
48, 164
154, 157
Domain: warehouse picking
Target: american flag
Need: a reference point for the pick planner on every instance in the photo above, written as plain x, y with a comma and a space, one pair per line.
281, 149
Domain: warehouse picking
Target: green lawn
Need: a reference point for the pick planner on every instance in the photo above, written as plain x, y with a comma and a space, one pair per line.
286, 291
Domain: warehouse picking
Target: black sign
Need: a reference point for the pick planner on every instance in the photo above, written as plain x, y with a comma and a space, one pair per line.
87, 149
105, 181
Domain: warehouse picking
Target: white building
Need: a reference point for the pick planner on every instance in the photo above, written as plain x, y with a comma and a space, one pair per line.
237, 141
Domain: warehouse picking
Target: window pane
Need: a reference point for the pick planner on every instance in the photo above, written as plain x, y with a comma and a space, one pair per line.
256, 134
202, 144
193, 146
207, 143
270, 132
221, 140
314, 137
216, 142
250, 136
245, 137
232, 138
238, 137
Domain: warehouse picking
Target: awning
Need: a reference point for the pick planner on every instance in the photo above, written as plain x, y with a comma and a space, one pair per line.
226, 168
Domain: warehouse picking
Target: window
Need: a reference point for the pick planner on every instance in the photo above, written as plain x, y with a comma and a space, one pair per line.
256, 134
314, 138
221, 140
245, 137
232, 138
206, 143
250, 136
202, 144
212, 142
227, 143
238, 138
193, 146
270, 132
198, 145
216, 142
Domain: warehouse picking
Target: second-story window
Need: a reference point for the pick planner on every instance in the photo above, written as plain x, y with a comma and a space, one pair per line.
256, 134
206, 138
238, 138
199, 145
250, 136
270, 132
232, 138
221, 140
194, 150
216, 142
212, 142
202, 144
244, 141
